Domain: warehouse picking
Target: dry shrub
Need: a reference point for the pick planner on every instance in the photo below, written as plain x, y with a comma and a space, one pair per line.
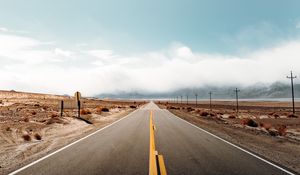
292, 116
189, 109
267, 126
172, 107
244, 121
37, 136
26, 137
33, 113
8, 129
204, 114
252, 123
281, 130
249, 122
99, 110
85, 111
273, 132
133, 107
26, 119
231, 117
55, 120
36, 105
276, 116
105, 110
212, 114
54, 115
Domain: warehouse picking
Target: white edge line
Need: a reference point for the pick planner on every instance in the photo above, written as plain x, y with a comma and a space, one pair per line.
256, 156
59, 150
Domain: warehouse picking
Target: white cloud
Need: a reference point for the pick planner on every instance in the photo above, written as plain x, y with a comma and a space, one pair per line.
28, 66
62, 52
3, 29
103, 54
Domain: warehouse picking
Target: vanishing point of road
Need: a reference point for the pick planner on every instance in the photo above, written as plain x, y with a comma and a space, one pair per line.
123, 148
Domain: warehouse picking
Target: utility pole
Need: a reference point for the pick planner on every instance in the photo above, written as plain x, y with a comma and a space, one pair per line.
292, 84
177, 99
187, 99
61, 108
180, 99
237, 101
196, 99
210, 100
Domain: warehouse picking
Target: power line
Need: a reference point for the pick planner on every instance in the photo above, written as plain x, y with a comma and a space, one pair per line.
292, 84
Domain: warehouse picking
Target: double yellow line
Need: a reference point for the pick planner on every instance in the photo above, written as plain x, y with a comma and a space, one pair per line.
156, 161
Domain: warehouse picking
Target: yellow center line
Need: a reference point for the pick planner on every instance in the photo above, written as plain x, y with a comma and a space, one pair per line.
156, 162
152, 157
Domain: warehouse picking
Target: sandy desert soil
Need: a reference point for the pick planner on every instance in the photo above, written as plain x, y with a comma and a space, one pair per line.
266, 128
31, 125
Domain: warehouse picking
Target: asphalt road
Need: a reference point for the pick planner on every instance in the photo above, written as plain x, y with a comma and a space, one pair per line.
123, 148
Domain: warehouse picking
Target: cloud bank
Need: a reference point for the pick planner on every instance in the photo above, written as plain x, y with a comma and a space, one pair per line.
28, 64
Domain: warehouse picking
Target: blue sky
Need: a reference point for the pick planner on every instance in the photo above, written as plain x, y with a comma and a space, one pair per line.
107, 40
137, 26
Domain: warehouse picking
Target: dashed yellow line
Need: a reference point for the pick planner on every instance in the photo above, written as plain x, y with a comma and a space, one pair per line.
156, 162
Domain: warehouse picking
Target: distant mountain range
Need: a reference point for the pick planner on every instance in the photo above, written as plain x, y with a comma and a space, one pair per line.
275, 90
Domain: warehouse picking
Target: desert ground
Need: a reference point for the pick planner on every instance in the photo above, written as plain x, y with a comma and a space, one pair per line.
31, 125
267, 128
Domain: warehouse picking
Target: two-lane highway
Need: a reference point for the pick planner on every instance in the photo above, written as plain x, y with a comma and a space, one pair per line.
123, 148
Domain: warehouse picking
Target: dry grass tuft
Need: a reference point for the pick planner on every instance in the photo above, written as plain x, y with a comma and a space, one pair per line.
189, 109
273, 132
36, 105
212, 114
276, 116
26, 119
85, 111
267, 126
172, 107
54, 115
204, 114
292, 116
231, 117
271, 113
105, 110
281, 130
55, 120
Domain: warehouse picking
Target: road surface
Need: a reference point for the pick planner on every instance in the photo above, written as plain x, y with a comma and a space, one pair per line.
123, 148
